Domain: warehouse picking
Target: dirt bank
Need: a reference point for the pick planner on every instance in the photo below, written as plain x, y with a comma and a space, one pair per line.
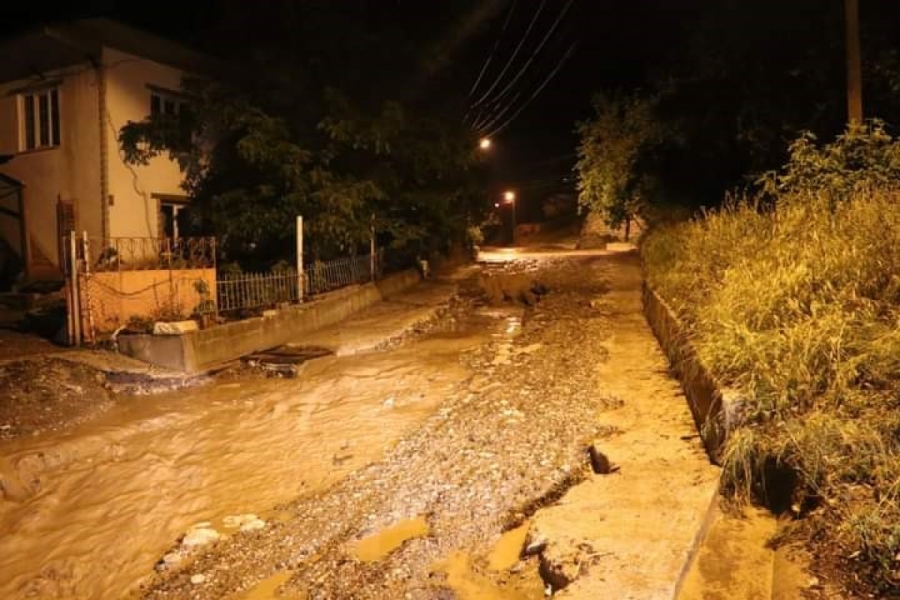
46, 394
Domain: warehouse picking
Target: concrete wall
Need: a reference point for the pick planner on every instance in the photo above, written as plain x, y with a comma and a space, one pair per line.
134, 211
116, 296
70, 171
202, 350
716, 410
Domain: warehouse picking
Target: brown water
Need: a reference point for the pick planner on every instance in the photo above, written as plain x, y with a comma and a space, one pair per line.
268, 588
378, 545
114, 495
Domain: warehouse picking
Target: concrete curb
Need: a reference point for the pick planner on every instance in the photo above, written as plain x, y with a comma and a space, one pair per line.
716, 409
199, 351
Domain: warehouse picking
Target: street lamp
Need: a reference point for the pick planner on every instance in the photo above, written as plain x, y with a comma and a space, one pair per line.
484, 143
510, 197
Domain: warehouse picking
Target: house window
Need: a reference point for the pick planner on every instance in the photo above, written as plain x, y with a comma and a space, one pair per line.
40, 119
172, 219
166, 103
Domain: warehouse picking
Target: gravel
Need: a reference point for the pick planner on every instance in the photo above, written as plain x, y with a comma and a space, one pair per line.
510, 439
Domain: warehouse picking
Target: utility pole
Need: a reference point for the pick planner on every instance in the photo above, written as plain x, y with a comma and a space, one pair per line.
854, 63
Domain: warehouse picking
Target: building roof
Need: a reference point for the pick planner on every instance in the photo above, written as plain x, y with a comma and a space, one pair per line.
55, 46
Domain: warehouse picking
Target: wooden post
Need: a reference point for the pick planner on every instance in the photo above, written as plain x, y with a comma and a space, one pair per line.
300, 277
854, 63
372, 249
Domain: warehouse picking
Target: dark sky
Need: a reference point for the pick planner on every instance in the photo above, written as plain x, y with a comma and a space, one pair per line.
620, 43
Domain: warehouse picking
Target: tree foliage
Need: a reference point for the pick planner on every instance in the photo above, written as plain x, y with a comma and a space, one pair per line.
319, 121
863, 158
615, 148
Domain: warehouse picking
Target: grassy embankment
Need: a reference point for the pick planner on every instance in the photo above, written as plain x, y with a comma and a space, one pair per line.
798, 308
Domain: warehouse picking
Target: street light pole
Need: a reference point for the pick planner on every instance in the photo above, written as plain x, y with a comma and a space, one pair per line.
514, 221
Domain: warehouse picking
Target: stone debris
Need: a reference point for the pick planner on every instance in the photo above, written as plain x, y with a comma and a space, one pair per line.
198, 579
201, 534
175, 327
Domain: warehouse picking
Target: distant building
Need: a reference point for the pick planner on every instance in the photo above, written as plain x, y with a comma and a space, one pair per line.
65, 92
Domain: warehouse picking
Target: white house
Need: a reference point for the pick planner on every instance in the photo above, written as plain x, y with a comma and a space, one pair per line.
65, 92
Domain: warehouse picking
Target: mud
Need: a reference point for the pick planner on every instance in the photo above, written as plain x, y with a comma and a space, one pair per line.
49, 394
508, 438
112, 495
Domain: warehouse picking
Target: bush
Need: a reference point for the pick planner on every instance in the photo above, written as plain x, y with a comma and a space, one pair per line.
797, 305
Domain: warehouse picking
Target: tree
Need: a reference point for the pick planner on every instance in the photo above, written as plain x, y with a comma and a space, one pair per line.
319, 120
615, 149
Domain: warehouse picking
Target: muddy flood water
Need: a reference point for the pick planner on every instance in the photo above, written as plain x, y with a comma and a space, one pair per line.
89, 513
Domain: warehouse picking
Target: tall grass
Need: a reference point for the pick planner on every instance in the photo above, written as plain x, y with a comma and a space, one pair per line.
798, 307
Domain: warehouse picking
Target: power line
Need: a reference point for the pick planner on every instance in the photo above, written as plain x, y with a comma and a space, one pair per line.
498, 109
513, 57
493, 52
506, 123
534, 54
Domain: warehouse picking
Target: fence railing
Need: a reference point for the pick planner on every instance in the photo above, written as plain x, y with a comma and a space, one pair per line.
141, 253
246, 291
255, 290
323, 276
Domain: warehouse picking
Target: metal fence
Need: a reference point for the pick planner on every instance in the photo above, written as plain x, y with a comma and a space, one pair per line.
254, 290
245, 291
323, 276
140, 253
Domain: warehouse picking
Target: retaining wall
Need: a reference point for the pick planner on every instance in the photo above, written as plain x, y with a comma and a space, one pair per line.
715, 408
201, 350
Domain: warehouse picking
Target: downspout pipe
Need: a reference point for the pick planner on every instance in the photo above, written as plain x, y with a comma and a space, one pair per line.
103, 110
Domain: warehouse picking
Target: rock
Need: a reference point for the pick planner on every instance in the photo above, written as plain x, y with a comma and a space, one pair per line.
169, 561
199, 537
600, 463
534, 544
198, 578
175, 327
253, 525
247, 522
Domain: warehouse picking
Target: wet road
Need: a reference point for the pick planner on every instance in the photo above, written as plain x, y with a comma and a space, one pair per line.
467, 426
506, 440
107, 500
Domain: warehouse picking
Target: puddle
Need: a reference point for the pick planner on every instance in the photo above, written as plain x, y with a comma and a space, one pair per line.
377, 546
500, 575
267, 588
470, 583
505, 554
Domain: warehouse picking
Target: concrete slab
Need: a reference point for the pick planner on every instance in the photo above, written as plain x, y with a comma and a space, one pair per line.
384, 321
631, 534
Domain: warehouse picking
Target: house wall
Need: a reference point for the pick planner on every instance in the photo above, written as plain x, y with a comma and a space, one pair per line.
134, 211
70, 171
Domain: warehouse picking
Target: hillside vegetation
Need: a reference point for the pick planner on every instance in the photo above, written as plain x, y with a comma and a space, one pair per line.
792, 297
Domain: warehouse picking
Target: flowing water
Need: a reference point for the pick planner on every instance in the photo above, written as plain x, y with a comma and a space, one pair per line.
100, 505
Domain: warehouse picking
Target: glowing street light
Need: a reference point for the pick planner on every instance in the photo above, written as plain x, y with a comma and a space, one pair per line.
509, 197
484, 143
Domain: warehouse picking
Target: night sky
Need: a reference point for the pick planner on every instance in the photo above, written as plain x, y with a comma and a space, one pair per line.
620, 44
